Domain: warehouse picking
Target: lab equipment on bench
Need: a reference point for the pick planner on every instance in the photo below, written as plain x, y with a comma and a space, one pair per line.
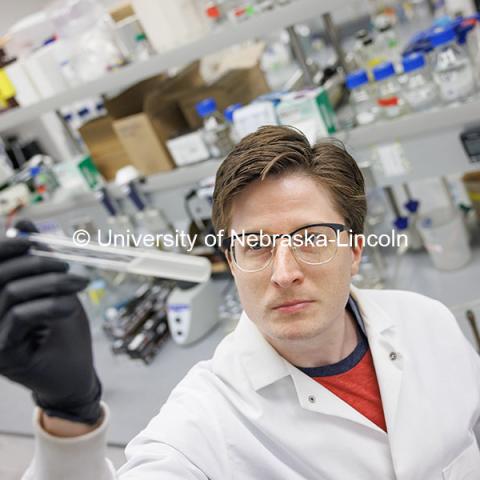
138, 326
183, 306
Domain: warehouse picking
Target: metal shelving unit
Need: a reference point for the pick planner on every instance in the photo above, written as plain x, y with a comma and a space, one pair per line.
429, 140
415, 124
256, 27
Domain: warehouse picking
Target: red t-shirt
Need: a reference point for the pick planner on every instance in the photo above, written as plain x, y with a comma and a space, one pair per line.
359, 388
354, 379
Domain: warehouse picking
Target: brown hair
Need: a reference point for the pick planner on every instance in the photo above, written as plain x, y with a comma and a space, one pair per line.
277, 150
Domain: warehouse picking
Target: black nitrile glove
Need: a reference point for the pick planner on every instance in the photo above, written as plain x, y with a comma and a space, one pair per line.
45, 341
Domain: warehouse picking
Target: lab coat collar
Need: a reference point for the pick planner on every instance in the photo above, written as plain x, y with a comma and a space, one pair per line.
264, 366
374, 317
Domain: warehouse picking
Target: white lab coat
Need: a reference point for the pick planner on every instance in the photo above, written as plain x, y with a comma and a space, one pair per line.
249, 414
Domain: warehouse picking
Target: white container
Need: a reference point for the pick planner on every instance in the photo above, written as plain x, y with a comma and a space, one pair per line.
445, 237
45, 71
169, 24
248, 119
28, 34
26, 92
88, 31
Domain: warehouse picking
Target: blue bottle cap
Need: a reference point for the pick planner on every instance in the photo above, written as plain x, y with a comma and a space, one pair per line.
34, 171
84, 111
413, 62
357, 79
412, 206
206, 107
228, 112
442, 35
383, 71
401, 223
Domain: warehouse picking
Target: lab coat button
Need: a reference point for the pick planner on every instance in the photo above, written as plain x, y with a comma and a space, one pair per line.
311, 398
393, 356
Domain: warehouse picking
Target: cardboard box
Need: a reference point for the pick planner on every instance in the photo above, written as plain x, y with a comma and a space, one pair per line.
236, 86
121, 11
145, 116
105, 148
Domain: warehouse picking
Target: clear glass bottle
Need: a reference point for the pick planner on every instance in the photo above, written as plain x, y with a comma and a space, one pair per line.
420, 91
452, 70
216, 131
228, 114
389, 95
362, 98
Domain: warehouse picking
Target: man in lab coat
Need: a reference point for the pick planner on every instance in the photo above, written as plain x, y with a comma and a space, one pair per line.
320, 380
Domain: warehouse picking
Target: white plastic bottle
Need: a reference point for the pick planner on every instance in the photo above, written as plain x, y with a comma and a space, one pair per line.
452, 70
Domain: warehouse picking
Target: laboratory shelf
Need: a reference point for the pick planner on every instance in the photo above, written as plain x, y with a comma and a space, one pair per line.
179, 178
414, 124
429, 143
256, 27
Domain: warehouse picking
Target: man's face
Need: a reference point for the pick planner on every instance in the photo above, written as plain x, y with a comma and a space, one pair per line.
282, 204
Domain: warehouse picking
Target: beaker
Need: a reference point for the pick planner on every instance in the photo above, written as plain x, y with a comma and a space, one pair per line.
445, 237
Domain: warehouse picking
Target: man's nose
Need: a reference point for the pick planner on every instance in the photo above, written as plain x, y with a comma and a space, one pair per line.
285, 267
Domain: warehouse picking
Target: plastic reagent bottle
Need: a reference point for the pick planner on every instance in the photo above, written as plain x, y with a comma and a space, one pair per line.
452, 70
389, 97
216, 131
362, 98
420, 90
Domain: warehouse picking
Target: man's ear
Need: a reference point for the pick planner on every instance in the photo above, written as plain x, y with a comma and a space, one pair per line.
357, 249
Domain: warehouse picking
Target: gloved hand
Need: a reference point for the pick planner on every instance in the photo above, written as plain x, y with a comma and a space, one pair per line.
45, 340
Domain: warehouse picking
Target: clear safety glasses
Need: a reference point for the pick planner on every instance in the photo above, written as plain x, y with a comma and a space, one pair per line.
315, 244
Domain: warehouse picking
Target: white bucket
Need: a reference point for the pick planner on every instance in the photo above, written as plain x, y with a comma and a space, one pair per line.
445, 237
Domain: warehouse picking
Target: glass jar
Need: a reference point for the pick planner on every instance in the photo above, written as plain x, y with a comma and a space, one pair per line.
389, 96
452, 70
361, 98
216, 131
420, 91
